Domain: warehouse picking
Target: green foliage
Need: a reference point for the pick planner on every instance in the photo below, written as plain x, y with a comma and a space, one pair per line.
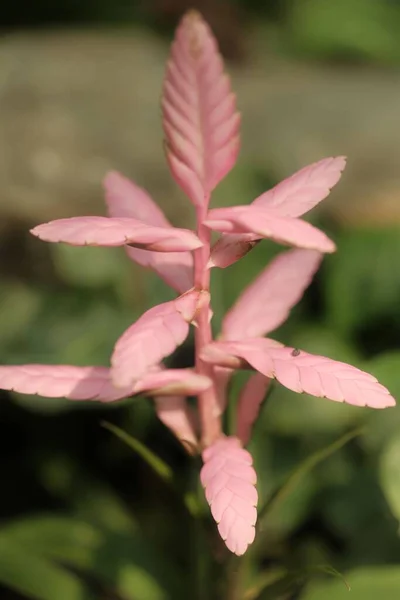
36, 577
390, 475
362, 287
366, 584
124, 562
160, 467
346, 29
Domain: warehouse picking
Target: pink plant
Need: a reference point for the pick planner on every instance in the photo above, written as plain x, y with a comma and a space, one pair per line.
201, 126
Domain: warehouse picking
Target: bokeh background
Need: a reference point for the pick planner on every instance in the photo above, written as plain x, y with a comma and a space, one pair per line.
81, 515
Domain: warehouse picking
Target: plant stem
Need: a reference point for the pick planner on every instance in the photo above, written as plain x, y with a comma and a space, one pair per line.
208, 406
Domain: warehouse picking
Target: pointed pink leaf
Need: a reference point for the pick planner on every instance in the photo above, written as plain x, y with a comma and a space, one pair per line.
104, 231
267, 223
177, 415
200, 120
155, 335
229, 480
125, 199
250, 400
94, 383
62, 381
299, 193
265, 304
291, 198
302, 372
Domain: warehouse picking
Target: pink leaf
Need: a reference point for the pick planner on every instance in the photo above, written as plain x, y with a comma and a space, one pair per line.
267, 223
200, 120
178, 416
222, 378
299, 193
292, 197
155, 335
250, 400
229, 480
230, 248
62, 381
176, 382
94, 383
104, 231
265, 304
125, 199
302, 372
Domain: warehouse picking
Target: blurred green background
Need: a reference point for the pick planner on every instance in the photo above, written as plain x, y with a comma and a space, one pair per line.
81, 516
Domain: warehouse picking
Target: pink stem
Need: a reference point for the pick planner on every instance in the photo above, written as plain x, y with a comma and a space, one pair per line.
208, 405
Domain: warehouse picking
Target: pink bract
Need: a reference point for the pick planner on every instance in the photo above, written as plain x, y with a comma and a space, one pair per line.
202, 138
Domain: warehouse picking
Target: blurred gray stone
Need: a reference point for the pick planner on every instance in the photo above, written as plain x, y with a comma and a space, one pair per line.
76, 104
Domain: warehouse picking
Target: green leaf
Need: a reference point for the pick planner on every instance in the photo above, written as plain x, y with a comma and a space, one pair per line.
361, 283
29, 573
90, 498
367, 583
383, 424
390, 475
87, 266
273, 583
270, 475
160, 467
290, 485
20, 304
123, 562
362, 29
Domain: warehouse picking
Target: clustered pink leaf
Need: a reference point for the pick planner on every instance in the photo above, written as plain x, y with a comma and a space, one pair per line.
126, 199
229, 480
201, 126
302, 372
200, 119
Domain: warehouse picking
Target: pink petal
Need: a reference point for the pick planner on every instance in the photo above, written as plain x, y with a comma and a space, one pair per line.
265, 304
177, 415
125, 199
303, 372
250, 400
229, 480
299, 193
104, 231
200, 120
267, 223
155, 335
